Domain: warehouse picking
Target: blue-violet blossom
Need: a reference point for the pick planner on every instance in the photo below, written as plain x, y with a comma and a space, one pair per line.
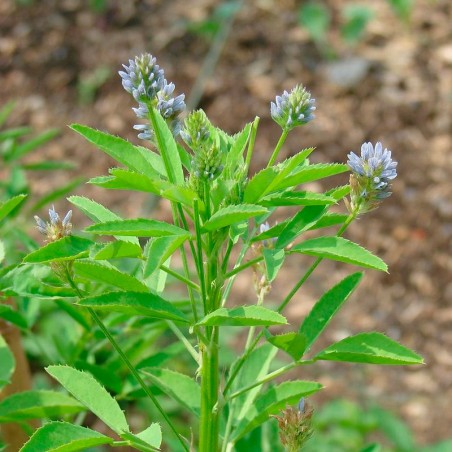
56, 228
293, 109
371, 177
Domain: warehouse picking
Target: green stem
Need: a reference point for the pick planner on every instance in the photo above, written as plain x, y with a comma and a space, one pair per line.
126, 361
180, 277
238, 269
178, 333
278, 147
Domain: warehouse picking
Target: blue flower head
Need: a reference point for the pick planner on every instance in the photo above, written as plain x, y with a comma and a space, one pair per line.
372, 173
293, 109
56, 228
144, 79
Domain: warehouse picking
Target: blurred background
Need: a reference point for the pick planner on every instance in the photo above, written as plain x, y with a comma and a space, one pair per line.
380, 71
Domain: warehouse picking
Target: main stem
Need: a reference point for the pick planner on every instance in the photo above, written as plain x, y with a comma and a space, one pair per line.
209, 420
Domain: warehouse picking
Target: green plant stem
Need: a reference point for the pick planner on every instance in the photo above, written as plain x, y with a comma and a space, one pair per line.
284, 303
178, 333
126, 361
242, 267
271, 376
209, 420
278, 147
180, 277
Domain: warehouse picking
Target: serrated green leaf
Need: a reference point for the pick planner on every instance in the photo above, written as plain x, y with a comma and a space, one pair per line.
233, 214
342, 250
274, 259
104, 374
178, 386
254, 369
140, 227
168, 149
117, 249
108, 275
298, 198
326, 307
66, 248
301, 222
243, 316
159, 250
371, 348
271, 402
9, 205
134, 157
310, 173
9, 314
269, 179
98, 213
64, 437
329, 219
8, 363
294, 344
135, 303
91, 394
37, 404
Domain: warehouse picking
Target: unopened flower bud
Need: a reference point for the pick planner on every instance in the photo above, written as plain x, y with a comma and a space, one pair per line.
196, 130
293, 109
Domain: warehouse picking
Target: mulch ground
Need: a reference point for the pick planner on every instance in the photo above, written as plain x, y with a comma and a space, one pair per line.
394, 86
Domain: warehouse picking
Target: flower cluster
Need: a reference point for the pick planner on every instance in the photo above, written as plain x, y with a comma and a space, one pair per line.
56, 228
196, 130
293, 109
295, 426
145, 80
371, 177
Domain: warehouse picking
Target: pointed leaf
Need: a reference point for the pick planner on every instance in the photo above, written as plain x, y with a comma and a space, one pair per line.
301, 222
235, 155
168, 149
109, 275
294, 344
135, 303
98, 213
8, 363
134, 157
311, 173
342, 250
117, 249
64, 437
272, 401
178, 386
37, 404
140, 227
243, 316
328, 305
274, 259
298, 198
91, 394
159, 250
371, 348
9, 205
233, 214
66, 248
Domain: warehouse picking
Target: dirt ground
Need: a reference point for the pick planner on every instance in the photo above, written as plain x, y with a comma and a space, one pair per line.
395, 86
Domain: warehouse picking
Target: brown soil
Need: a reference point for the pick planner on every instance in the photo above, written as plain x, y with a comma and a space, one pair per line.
398, 91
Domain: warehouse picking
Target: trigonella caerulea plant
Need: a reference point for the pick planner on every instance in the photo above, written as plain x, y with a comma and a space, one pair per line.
222, 227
